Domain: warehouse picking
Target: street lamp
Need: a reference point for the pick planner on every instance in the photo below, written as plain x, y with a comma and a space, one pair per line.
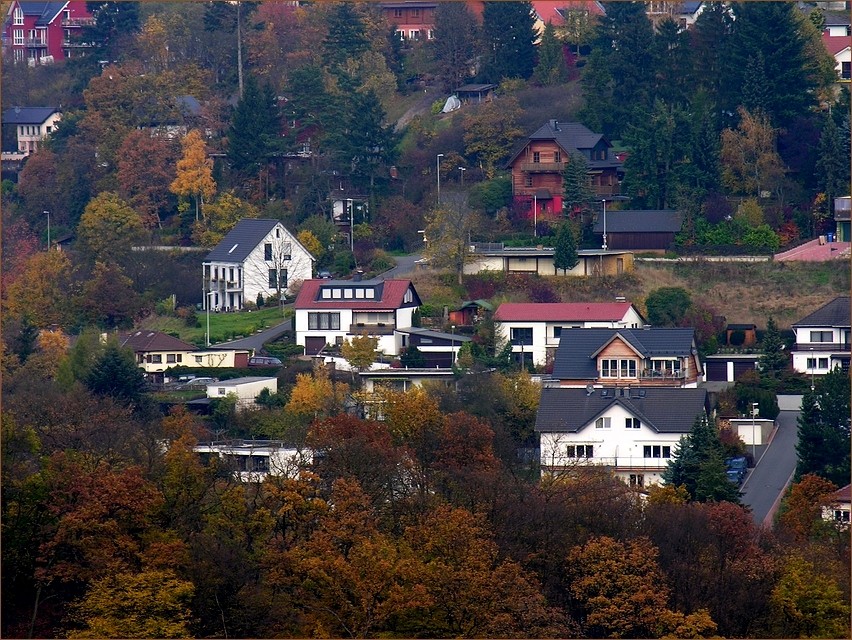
812, 363
462, 169
47, 213
604, 224
453, 344
438, 161
209, 293
754, 406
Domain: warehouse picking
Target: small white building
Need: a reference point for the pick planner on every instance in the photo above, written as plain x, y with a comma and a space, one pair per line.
255, 460
838, 510
823, 339
534, 329
330, 312
245, 389
255, 257
632, 431
32, 126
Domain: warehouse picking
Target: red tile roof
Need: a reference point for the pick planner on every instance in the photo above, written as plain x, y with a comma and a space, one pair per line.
562, 311
548, 10
842, 495
392, 294
145, 341
836, 44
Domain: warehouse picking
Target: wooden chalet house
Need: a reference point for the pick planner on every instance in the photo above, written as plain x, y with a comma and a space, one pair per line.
537, 167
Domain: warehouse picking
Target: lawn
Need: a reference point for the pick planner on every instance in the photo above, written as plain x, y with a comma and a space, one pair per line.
223, 326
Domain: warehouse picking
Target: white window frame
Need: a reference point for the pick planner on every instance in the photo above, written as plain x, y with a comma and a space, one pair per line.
18, 37
604, 422
580, 451
632, 423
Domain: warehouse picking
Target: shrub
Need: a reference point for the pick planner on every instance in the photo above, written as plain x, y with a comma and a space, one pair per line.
188, 315
260, 300
737, 337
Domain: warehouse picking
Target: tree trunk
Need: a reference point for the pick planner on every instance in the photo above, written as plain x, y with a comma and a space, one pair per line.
239, 48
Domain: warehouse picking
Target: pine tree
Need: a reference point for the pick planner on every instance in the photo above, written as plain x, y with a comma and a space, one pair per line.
832, 165
576, 193
254, 129
508, 30
551, 68
116, 374
346, 40
774, 359
455, 43
565, 248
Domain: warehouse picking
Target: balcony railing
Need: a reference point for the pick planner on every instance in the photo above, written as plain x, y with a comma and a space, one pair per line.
662, 375
233, 285
618, 462
542, 167
380, 329
35, 42
77, 22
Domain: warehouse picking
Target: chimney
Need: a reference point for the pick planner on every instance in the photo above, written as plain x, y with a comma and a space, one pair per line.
554, 125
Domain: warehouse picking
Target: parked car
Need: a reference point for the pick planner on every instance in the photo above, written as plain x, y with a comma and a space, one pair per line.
264, 361
737, 468
324, 275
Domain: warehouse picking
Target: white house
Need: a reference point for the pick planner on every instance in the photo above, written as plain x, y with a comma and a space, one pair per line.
632, 431
245, 389
534, 329
840, 48
838, 509
255, 257
823, 339
32, 126
255, 460
329, 312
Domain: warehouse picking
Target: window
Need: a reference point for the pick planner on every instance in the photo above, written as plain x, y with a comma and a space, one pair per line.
19, 16
267, 251
632, 423
400, 34
414, 34
326, 294
278, 231
370, 293
536, 157
603, 423
19, 55
286, 250
557, 156
283, 278
580, 451
259, 463
822, 363
845, 70
822, 336
430, 34
156, 359
359, 293
199, 359
522, 336
656, 451
397, 13
527, 180
18, 36
613, 368
637, 480
221, 391
170, 357
841, 516
273, 279
557, 332
336, 294
347, 293
322, 320
415, 13
665, 367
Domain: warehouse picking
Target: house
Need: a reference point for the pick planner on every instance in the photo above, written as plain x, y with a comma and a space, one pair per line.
838, 508
42, 32
563, 14
494, 256
32, 125
405, 378
246, 389
439, 349
652, 230
469, 312
822, 339
840, 48
412, 19
632, 431
646, 357
728, 367
537, 166
329, 312
534, 329
475, 93
255, 460
256, 257
156, 352
683, 13
842, 218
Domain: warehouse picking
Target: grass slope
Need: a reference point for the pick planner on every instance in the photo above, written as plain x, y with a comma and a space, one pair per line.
223, 326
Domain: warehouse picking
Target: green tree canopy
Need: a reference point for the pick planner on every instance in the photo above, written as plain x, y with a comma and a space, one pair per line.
577, 195
667, 306
551, 68
823, 447
508, 32
565, 248
254, 129
455, 43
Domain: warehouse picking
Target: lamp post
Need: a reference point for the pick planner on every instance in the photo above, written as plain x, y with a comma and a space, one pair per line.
209, 293
812, 363
453, 344
438, 161
47, 213
754, 406
604, 224
462, 169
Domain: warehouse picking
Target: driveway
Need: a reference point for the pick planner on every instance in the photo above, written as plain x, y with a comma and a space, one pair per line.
767, 482
256, 341
404, 266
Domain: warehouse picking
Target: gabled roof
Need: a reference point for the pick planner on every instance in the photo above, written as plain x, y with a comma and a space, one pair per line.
243, 239
46, 11
438, 335
638, 221
663, 409
842, 494
572, 137
834, 314
562, 311
574, 357
389, 295
28, 115
147, 341
836, 44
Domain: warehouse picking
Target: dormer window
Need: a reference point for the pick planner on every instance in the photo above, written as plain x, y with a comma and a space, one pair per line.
618, 368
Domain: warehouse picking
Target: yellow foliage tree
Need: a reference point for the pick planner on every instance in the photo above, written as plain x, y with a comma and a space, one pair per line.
311, 243
750, 212
360, 351
316, 394
109, 227
490, 131
750, 160
42, 290
220, 217
51, 348
194, 171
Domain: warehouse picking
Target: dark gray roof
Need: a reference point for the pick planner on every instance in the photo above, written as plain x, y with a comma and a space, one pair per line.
27, 115
241, 240
834, 314
428, 333
637, 221
575, 359
46, 11
664, 409
573, 137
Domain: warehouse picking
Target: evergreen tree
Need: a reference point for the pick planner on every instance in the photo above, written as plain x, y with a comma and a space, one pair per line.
708, 41
254, 129
115, 24
577, 195
671, 57
832, 165
774, 359
551, 68
508, 30
412, 357
823, 446
454, 44
699, 465
346, 40
565, 248
116, 374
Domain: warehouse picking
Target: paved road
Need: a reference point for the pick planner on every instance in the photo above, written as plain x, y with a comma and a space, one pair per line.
767, 482
256, 341
404, 266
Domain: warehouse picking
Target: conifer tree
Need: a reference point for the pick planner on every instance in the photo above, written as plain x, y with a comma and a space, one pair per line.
509, 36
254, 128
565, 248
774, 360
551, 68
576, 192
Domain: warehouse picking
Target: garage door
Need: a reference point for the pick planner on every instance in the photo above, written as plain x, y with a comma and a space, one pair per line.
717, 371
314, 344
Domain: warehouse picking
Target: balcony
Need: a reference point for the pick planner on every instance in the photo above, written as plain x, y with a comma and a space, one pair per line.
620, 463
78, 22
69, 43
233, 285
542, 167
380, 329
35, 42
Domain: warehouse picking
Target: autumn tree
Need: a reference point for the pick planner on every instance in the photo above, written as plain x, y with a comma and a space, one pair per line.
220, 217
620, 592
360, 351
802, 508
316, 395
108, 298
194, 171
551, 67
448, 232
491, 129
455, 43
42, 291
39, 189
750, 160
109, 228
145, 169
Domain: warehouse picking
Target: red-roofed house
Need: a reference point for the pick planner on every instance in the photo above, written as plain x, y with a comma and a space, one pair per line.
840, 48
534, 328
334, 311
838, 510
43, 32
